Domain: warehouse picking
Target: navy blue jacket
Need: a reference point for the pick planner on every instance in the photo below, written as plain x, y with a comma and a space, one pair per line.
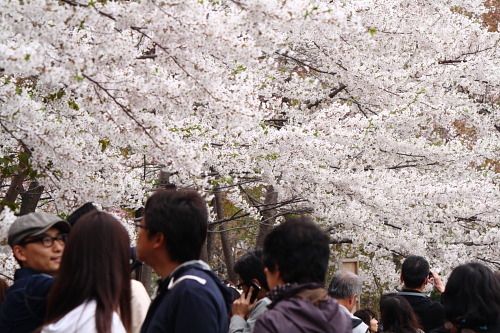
24, 307
192, 299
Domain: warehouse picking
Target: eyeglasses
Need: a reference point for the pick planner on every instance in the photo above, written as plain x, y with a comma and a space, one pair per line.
139, 226
48, 241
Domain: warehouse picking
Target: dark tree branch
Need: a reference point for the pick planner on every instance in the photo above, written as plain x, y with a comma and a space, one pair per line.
410, 165
335, 92
341, 241
393, 226
77, 4
489, 261
304, 64
7, 277
26, 149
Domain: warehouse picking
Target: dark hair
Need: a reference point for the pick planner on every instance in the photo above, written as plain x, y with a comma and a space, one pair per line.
365, 315
250, 266
82, 210
94, 266
3, 291
299, 249
397, 316
414, 271
182, 218
472, 293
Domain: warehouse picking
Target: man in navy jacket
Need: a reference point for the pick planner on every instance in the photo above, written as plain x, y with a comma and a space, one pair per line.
190, 297
37, 240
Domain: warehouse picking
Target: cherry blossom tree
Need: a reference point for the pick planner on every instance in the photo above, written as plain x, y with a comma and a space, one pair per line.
378, 118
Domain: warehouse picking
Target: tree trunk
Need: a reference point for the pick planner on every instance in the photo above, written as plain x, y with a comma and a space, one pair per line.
15, 187
145, 273
267, 222
226, 244
30, 198
211, 238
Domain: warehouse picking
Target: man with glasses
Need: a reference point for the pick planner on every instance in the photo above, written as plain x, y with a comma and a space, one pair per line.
190, 298
37, 241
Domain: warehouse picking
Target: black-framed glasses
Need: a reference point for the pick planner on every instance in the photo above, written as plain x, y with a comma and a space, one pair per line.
48, 241
138, 226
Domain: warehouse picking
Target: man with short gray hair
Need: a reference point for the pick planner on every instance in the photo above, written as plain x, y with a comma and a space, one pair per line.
345, 288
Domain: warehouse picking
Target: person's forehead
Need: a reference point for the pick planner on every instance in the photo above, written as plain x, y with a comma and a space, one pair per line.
53, 232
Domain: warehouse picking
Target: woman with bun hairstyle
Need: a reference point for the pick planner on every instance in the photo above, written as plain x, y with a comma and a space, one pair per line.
91, 293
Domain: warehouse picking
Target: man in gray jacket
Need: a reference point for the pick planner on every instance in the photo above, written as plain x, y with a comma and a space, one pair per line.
252, 279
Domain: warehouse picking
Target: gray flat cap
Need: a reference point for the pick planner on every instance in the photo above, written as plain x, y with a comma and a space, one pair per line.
34, 224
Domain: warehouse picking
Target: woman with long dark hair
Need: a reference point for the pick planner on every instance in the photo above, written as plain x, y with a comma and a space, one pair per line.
397, 316
472, 299
369, 318
93, 283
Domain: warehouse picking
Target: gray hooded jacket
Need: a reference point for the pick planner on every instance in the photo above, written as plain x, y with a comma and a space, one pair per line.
306, 310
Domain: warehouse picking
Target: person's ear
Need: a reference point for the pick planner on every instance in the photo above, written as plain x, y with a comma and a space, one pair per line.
19, 252
401, 278
257, 282
353, 299
158, 240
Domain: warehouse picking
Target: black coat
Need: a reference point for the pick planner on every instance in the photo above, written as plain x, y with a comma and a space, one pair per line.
429, 313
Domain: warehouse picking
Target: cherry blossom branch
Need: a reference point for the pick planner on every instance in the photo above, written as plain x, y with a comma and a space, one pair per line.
332, 94
15, 138
174, 59
304, 64
392, 225
77, 4
341, 241
270, 207
489, 261
471, 243
125, 109
7, 277
410, 165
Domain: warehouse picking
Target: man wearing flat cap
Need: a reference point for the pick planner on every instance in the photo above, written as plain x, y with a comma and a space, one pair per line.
37, 240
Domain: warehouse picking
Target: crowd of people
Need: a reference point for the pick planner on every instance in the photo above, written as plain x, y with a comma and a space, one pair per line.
76, 277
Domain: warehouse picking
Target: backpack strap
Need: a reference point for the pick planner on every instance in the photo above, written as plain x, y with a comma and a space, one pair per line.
406, 293
173, 283
356, 322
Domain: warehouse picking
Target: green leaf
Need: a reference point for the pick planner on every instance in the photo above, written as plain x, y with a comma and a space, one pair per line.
104, 144
27, 57
73, 105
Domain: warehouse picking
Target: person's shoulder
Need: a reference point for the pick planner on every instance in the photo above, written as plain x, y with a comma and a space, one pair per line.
192, 278
263, 302
194, 284
361, 328
38, 284
271, 315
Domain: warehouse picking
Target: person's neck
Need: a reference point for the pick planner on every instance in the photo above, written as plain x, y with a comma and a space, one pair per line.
421, 289
164, 268
345, 303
